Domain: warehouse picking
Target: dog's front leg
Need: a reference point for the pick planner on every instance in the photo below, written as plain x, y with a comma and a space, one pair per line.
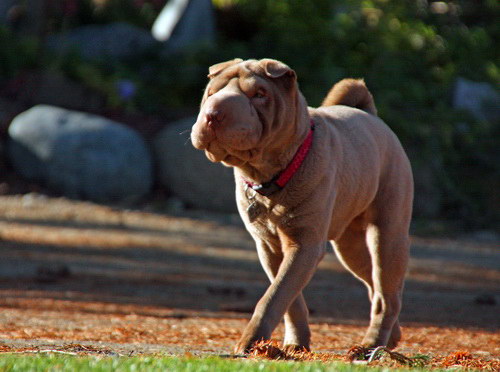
297, 333
296, 269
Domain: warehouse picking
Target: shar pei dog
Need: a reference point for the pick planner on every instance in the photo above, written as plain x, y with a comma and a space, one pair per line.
305, 177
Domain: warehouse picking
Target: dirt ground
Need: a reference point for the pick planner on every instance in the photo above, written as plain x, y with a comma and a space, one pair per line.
79, 275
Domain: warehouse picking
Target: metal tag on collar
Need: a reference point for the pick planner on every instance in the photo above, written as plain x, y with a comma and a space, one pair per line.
254, 208
250, 191
267, 188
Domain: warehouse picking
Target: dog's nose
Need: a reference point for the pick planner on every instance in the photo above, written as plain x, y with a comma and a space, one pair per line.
214, 117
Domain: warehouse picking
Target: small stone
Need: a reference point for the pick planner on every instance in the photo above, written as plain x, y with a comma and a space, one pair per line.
51, 274
485, 299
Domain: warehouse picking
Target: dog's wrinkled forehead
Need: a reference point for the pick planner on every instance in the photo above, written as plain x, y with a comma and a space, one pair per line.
267, 68
235, 68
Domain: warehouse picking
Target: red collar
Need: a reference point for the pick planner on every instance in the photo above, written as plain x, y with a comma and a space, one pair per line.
281, 179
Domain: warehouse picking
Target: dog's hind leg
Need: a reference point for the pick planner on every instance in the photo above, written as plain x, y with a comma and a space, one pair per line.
297, 333
389, 253
354, 252
395, 336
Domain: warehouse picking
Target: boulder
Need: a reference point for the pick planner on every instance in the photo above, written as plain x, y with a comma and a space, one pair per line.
183, 23
80, 155
5, 10
188, 174
481, 99
23, 17
114, 40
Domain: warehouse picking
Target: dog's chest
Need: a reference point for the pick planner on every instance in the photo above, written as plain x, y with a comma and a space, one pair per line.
263, 215
254, 210
266, 217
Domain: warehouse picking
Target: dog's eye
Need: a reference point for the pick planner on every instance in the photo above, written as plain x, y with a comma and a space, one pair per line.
261, 93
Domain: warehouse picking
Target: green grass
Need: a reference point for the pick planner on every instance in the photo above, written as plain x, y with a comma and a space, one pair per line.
56, 362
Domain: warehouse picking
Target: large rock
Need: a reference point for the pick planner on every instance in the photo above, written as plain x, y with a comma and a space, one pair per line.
23, 17
183, 23
6, 9
80, 155
188, 174
481, 99
114, 40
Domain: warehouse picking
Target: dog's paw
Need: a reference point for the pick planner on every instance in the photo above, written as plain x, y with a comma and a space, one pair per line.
294, 348
254, 332
244, 346
247, 342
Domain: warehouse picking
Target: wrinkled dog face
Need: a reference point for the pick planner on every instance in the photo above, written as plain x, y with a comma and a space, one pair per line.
244, 105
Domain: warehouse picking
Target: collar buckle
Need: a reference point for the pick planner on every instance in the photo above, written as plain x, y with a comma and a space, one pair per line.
267, 188
280, 180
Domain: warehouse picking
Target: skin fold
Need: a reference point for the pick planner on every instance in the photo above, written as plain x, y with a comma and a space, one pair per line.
354, 190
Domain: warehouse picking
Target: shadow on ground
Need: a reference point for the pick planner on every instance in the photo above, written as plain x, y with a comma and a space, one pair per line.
57, 249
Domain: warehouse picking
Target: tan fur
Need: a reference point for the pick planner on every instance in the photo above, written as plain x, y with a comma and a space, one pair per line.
351, 92
354, 189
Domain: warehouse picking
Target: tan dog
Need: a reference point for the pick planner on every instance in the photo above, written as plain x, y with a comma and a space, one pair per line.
348, 181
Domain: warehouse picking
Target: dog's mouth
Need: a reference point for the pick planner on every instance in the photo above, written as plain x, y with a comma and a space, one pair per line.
215, 152
225, 145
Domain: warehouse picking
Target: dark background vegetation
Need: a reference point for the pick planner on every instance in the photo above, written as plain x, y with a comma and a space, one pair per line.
410, 53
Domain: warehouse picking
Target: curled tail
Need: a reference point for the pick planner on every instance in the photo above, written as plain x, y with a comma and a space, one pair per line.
351, 92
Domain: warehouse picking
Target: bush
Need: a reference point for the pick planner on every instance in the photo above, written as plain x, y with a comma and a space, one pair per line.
70, 13
16, 55
410, 52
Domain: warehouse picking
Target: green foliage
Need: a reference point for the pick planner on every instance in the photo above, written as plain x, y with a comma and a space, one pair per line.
410, 52
141, 13
62, 15
17, 55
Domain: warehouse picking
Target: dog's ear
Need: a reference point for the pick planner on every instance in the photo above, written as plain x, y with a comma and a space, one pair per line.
276, 69
216, 69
